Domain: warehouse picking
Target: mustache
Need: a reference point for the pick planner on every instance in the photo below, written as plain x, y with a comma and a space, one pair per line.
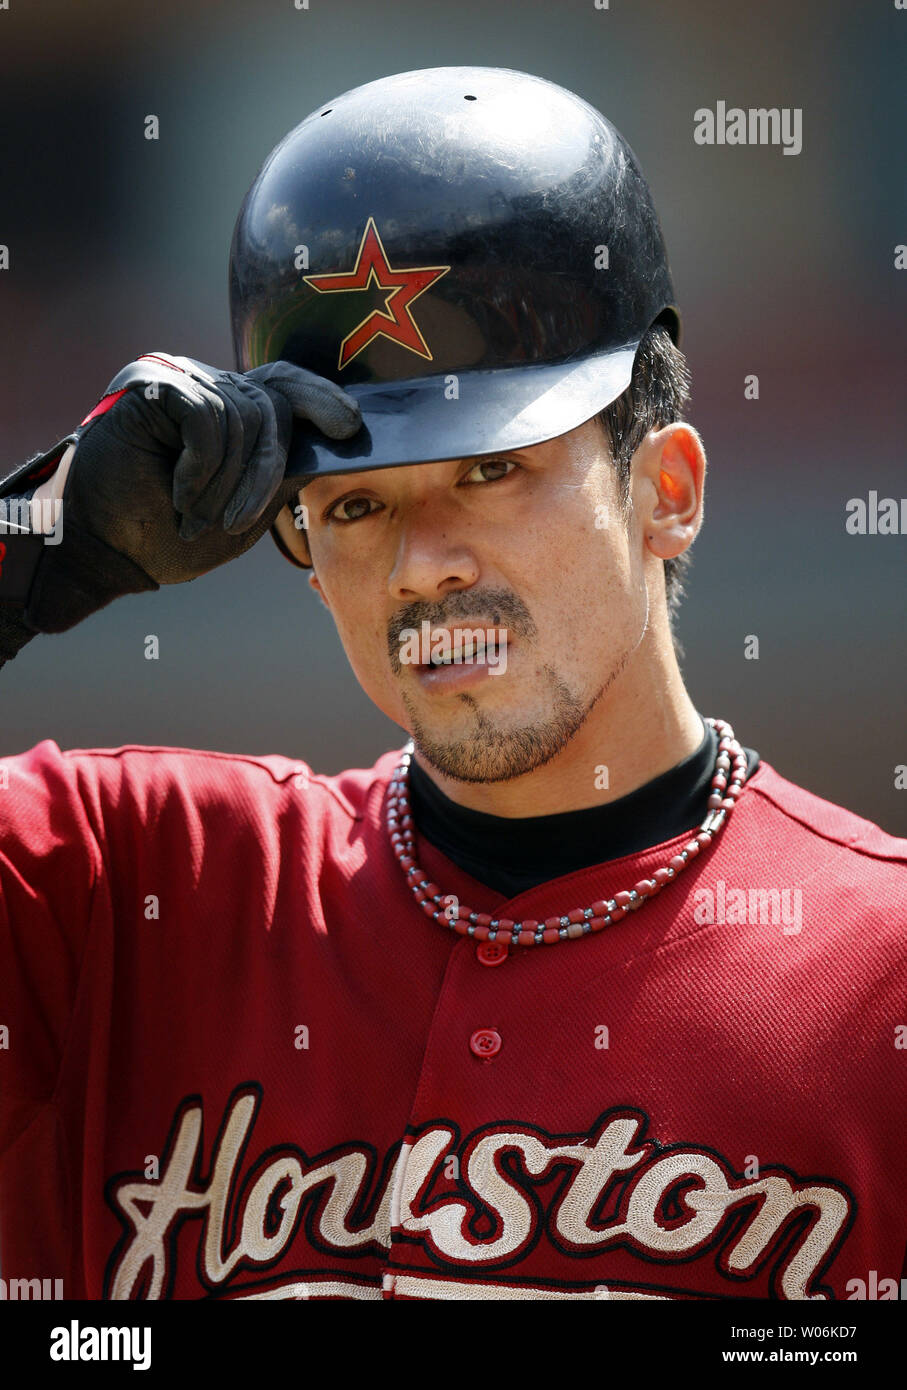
501, 607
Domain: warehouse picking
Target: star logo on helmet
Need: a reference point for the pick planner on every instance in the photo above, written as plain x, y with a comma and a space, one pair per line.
395, 320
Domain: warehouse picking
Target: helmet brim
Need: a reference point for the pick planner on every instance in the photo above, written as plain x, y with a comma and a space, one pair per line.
430, 418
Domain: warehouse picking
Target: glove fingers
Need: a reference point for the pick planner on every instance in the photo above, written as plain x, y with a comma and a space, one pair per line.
202, 419
264, 470
311, 397
204, 507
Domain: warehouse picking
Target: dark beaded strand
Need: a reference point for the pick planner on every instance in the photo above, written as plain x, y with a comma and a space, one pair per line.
727, 783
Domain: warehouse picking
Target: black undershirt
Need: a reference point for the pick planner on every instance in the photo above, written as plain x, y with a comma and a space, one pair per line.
512, 855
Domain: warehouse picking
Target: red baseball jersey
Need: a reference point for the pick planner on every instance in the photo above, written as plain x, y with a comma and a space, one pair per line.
240, 1062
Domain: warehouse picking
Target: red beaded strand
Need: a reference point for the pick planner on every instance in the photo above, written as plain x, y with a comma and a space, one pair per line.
727, 783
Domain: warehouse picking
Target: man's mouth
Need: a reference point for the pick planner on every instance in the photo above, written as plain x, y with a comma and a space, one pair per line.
454, 658
486, 652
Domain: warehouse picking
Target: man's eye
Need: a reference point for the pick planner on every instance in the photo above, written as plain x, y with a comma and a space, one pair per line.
497, 468
351, 508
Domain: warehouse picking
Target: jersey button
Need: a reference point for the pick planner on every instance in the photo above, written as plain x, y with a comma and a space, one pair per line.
491, 953
485, 1042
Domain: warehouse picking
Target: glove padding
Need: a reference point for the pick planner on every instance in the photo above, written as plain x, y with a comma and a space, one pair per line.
181, 474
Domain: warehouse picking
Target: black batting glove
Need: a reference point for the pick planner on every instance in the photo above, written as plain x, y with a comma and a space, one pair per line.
179, 469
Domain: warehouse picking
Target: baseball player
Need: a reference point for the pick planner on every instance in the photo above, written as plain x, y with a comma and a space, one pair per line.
570, 996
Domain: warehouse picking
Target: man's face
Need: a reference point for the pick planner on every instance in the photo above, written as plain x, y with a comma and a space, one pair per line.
526, 554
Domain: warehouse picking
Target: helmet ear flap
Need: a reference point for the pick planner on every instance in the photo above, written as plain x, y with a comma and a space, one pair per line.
289, 541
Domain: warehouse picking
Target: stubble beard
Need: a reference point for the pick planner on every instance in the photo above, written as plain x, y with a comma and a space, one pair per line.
491, 752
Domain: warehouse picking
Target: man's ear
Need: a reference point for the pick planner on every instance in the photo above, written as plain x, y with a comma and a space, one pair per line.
315, 586
672, 461
296, 545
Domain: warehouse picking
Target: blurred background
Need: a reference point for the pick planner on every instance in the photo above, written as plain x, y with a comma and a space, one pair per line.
784, 267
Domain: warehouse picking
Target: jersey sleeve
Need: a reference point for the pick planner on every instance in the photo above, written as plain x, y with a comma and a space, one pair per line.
50, 865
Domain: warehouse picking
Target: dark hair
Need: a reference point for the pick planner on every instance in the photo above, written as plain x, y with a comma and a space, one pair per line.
658, 391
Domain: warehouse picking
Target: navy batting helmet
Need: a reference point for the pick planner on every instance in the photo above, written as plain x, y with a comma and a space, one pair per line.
473, 253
